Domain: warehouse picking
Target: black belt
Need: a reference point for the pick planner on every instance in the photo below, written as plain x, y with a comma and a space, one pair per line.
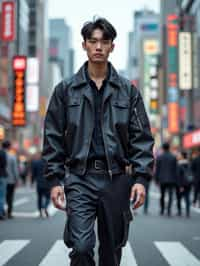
97, 164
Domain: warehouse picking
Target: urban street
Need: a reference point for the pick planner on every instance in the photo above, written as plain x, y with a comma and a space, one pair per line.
155, 240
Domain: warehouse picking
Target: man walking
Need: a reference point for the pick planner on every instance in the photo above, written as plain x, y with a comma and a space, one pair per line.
95, 126
13, 177
166, 176
3, 177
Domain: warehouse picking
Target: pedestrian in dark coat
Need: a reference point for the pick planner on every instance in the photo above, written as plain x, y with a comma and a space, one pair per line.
3, 183
196, 183
43, 192
166, 177
184, 182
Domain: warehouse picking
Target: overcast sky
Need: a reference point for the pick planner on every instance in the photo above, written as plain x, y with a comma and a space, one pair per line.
118, 12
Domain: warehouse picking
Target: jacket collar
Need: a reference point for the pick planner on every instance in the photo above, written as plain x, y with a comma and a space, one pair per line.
81, 79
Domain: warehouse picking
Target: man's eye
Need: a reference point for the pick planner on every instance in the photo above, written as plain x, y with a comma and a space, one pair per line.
92, 41
105, 41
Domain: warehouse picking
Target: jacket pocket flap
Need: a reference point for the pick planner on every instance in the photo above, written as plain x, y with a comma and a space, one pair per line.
121, 103
74, 101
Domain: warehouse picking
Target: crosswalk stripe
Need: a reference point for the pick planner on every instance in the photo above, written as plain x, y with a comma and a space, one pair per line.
176, 254
21, 201
58, 255
128, 257
51, 209
9, 248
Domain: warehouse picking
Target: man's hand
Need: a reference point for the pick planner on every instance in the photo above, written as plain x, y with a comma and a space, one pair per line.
137, 195
58, 197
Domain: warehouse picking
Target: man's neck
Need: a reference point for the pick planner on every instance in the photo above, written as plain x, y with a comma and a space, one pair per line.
97, 72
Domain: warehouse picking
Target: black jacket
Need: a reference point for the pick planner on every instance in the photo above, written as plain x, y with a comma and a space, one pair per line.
3, 164
69, 125
196, 169
166, 169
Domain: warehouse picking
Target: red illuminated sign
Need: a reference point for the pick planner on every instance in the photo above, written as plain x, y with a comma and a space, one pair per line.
8, 21
191, 140
19, 112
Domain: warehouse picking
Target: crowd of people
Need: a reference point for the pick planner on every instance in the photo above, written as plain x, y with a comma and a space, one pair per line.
14, 172
174, 173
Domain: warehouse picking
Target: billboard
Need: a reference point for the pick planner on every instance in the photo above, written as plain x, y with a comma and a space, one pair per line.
19, 109
185, 61
172, 73
32, 81
8, 21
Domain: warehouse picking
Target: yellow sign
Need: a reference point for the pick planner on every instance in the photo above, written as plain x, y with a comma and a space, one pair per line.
151, 47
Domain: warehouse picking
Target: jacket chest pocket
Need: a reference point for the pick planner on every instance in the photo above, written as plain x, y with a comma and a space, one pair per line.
120, 109
73, 109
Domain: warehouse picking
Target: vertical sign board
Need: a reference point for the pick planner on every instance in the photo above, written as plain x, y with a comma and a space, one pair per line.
172, 73
185, 61
8, 21
19, 110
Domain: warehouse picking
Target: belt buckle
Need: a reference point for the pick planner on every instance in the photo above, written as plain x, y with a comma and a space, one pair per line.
96, 162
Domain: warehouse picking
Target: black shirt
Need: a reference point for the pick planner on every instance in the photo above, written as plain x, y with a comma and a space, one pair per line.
97, 150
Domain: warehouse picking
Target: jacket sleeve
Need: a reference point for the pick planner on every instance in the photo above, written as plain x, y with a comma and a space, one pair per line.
54, 152
140, 140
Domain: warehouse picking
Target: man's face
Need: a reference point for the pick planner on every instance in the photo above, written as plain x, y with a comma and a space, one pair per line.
97, 48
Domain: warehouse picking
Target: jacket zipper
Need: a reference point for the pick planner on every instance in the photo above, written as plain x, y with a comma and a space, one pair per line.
105, 144
138, 119
90, 138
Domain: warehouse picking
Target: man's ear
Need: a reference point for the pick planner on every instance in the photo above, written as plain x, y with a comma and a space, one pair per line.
83, 45
112, 47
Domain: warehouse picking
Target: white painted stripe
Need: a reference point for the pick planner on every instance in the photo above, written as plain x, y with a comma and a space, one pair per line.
58, 255
21, 201
128, 257
176, 254
51, 209
9, 248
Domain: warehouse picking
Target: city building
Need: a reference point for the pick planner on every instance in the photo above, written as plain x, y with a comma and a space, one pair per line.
61, 45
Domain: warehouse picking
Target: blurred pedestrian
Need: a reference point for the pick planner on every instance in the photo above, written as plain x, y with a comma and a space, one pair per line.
196, 173
166, 177
23, 168
185, 179
95, 126
12, 179
43, 192
3, 177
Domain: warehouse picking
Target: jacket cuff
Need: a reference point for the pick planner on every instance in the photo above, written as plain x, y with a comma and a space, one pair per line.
53, 183
141, 180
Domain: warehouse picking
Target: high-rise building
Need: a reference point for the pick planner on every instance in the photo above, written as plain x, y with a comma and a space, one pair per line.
61, 45
143, 58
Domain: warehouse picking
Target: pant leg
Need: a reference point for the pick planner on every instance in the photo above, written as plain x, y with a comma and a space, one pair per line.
81, 212
114, 218
46, 198
39, 199
178, 200
170, 193
2, 195
187, 199
162, 198
10, 197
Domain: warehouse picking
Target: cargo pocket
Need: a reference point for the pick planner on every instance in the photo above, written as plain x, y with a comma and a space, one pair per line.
127, 218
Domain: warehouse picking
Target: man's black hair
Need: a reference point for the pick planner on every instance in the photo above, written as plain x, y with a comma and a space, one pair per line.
166, 146
109, 32
184, 154
6, 144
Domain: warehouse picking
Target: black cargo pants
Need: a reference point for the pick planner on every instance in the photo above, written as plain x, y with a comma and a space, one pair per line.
93, 196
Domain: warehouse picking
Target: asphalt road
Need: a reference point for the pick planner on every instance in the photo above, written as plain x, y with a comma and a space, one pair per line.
153, 240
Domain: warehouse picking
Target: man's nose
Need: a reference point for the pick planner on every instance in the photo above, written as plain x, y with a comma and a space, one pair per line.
99, 46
